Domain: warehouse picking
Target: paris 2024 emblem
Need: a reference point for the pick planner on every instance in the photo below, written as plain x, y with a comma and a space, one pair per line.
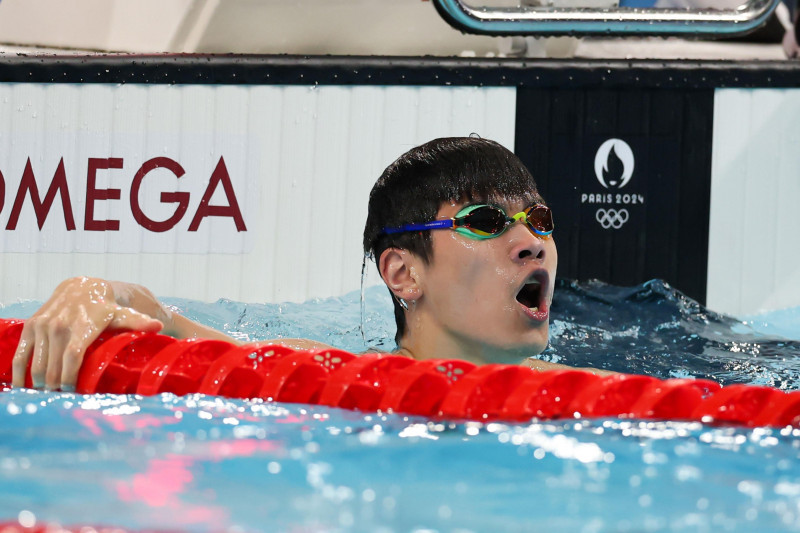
614, 165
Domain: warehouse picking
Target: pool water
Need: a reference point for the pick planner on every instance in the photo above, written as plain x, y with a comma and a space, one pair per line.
211, 464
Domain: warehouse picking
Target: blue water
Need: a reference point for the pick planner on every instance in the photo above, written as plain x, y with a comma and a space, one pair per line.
210, 464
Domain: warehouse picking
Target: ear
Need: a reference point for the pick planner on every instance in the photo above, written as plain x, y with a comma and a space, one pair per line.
400, 270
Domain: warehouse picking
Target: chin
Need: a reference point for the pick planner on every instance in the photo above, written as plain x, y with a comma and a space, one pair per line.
517, 353
535, 349
535, 346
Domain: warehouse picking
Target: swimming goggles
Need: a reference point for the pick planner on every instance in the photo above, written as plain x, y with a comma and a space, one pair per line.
485, 221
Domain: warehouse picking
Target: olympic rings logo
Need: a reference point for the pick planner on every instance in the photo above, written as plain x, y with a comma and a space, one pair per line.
611, 218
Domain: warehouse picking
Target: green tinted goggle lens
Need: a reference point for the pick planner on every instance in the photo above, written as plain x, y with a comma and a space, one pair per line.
487, 221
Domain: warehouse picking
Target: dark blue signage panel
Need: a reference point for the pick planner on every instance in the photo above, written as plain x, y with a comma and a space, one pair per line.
628, 174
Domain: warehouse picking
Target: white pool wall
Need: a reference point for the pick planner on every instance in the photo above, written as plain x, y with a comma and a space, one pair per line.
301, 160
754, 228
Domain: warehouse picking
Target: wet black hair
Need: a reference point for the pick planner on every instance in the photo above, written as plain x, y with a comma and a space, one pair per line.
419, 182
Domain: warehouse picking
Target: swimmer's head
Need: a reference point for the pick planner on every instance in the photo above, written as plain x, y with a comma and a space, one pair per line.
421, 181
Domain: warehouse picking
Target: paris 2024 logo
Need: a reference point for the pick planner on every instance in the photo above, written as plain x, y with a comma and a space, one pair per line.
614, 165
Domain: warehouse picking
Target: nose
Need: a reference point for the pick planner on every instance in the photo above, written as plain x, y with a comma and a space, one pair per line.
526, 245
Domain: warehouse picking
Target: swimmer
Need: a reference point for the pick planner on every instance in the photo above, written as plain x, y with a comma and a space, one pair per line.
461, 238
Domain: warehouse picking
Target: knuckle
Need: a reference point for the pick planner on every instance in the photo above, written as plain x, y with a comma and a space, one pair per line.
19, 362
73, 352
57, 325
40, 323
30, 325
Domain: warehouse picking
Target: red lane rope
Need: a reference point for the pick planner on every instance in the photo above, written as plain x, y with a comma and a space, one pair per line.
148, 363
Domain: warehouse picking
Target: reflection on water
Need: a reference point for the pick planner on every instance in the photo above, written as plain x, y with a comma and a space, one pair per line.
208, 464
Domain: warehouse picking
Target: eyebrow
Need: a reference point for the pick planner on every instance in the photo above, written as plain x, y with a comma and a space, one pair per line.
505, 203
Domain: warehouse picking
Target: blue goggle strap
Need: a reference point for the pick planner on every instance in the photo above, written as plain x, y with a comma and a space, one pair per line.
436, 224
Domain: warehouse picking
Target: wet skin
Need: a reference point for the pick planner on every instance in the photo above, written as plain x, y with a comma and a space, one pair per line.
463, 303
56, 337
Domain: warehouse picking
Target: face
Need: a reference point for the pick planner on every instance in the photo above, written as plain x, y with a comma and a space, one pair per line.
488, 300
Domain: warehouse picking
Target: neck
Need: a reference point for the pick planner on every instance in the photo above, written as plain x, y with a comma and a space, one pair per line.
425, 339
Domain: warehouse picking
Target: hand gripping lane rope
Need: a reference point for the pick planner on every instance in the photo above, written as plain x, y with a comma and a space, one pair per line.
147, 363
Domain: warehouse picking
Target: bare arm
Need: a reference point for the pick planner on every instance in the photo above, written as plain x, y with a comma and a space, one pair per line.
139, 298
80, 309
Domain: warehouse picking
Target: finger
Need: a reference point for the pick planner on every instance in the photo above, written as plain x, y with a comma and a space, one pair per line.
57, 341
71, 365
19, 364
53, 375
131, 319
71, 356
39, 364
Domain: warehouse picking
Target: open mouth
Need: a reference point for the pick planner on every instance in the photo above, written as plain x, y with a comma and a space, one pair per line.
532, 295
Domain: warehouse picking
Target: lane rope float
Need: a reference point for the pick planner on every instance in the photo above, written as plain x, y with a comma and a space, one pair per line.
150, 363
